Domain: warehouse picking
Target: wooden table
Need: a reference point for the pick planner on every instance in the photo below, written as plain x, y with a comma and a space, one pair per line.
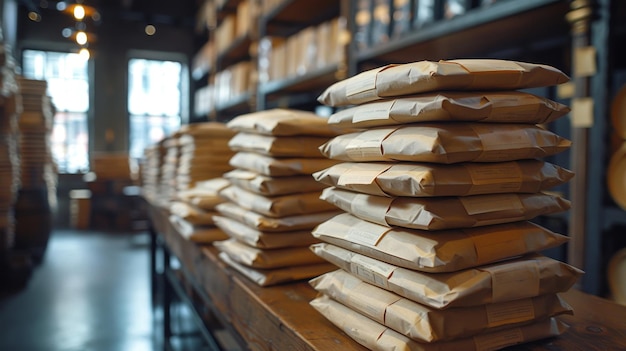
280, 317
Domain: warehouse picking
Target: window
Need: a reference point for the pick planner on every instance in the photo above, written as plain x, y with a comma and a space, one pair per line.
68, 86
154, 102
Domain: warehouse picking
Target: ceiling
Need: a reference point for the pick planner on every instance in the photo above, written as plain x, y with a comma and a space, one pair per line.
180, 13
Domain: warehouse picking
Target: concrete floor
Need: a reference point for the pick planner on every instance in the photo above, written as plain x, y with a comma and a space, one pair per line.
91, 292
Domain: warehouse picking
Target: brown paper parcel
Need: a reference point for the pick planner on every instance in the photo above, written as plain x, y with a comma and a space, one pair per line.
429, 179
520, 278
198, 234
278, 167
282, 146
263, 223
446, 143
283, 122
267, 259
424, 324
207, 129
428, 76
271, 186
191, 214
435, 213
205, 194
377, 337
496, 107
277, 206
440, 251
263, 240
268, 277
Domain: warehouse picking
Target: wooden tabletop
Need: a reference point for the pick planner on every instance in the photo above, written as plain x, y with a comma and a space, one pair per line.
280, 317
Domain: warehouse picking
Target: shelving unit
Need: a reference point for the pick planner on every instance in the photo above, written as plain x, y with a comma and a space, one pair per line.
532, 30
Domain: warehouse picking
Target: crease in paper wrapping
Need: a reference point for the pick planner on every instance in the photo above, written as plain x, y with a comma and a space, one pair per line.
494, 106
277, 206
263, 240
205, 159
447, 212
271, 186
201, 234
536, 275
428, 179
269, 258
446, 143
428, 76
283, 122
278, 167
278, 146
268, 277
438, 251
377, 337
263, 223
191, 214
204, 194
206, 146
425, 324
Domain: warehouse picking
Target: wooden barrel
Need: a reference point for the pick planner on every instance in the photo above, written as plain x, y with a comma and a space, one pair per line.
33, 222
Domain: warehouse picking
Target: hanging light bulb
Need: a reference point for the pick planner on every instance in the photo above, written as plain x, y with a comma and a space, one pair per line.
84, 53
81, 38
79, 12
150, 29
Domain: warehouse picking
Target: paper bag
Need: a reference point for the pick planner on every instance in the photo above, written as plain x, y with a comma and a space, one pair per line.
429, 179
263, 240
495, 107
269, 224
271, 186
533, 274
446, 143
267, 259
438, 251
277, 206
282, 146
283, 122
436, 213
278, 167
425, 324
427, 76
201, 234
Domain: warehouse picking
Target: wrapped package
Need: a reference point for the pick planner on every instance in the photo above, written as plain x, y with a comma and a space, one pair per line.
191, 214
268, 277
528, 276
446, 143
376, 336
278, 167
263, 223
267, 259
493, 106
428, 76
271, 186
425, 324
436, 213
278, 146
263, 240
283, 122
197, 233
439, 251
277, 206
205, 194
430, 179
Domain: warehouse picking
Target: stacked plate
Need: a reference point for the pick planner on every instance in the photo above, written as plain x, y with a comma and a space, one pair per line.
438, 190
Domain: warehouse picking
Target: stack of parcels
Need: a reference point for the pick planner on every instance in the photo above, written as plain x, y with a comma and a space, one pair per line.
35, 124
436, 245
191, 213
273, 202
9, 170
169, 169
203, 153
151, 171
194, 167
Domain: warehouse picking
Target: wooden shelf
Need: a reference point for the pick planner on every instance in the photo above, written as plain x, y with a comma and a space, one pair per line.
293, 15
316, 80
239, 50
509, 25
239, 104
